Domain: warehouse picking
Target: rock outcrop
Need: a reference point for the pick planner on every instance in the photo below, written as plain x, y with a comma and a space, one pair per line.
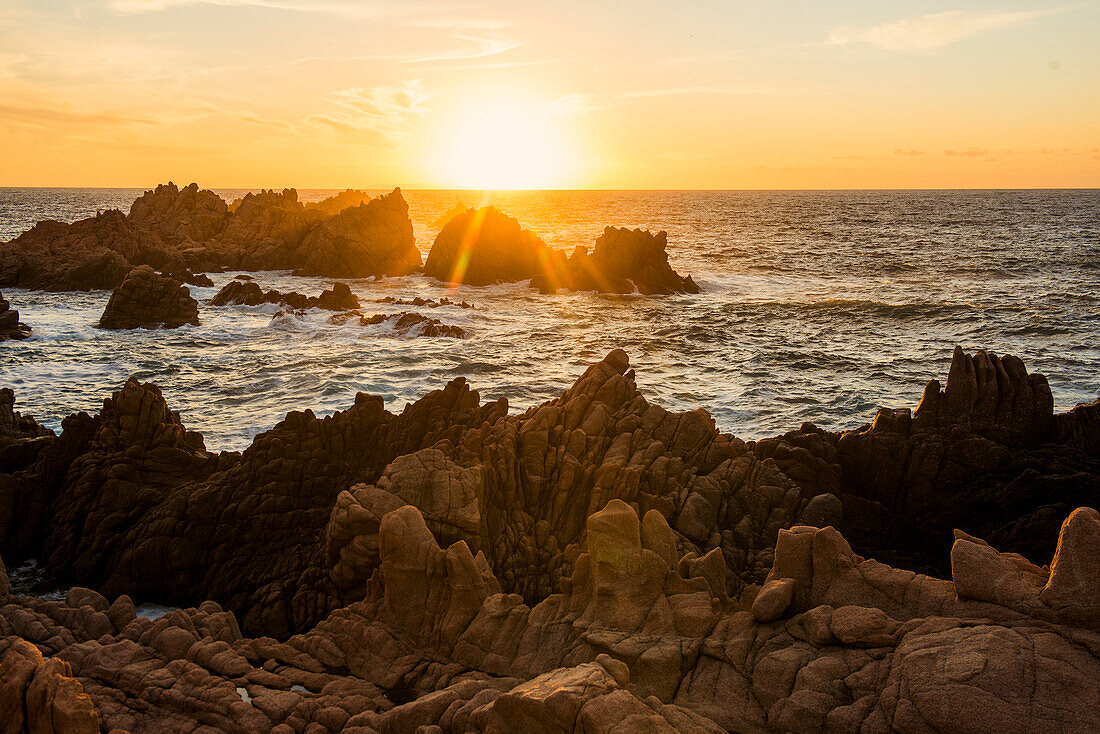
594, 564
984, 453
91, 254
636, 640
187, 231
249, 293
339, 202
147, 300
485, 246
623, 261
371, 239
10, 326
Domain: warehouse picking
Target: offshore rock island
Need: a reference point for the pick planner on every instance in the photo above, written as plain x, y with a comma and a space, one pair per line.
596, 563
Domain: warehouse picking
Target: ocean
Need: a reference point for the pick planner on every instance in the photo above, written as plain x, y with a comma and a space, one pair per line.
817, 306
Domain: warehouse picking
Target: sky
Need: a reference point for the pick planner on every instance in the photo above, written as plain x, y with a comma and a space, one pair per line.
713, 94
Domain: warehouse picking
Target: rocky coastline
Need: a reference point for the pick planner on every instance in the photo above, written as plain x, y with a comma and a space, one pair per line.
185, 233
596, 563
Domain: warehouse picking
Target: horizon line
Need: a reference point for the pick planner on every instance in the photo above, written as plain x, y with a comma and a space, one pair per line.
570, 189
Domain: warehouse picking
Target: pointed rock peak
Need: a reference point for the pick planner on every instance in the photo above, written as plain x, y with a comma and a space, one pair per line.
614, 533
1073, 590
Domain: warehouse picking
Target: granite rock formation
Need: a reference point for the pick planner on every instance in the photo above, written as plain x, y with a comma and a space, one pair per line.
623, 261
91, 254
187, 231
594, 564
636, 640
339, 202
984, 453
10, 326
249, 293
147, 300
485, 246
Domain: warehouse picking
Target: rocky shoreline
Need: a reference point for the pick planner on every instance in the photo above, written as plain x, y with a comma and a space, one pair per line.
184, 233
596, 563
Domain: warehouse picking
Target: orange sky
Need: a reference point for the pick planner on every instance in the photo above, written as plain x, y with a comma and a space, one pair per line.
639, 94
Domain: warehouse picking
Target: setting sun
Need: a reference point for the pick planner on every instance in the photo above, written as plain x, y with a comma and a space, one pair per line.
499, 144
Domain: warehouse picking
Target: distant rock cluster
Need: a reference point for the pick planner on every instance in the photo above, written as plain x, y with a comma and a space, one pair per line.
249, 293
184, 231
595, 564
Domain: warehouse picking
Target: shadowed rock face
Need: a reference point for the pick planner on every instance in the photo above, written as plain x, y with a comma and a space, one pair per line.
10, 326
484, 246
623, 261
183, 230
90, 254
594, 561
985, 453
146, 300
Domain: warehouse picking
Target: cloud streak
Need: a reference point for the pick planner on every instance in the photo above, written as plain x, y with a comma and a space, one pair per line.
931, 32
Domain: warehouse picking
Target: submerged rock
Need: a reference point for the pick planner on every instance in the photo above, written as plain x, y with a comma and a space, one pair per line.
146, 300
624, 261
484, 246
10, 326
408, 323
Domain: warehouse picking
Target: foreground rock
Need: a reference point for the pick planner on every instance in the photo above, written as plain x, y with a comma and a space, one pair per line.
10, 326
638, 639
146, 300
623, 261
249, 293
185, 231
484, 246
594, 561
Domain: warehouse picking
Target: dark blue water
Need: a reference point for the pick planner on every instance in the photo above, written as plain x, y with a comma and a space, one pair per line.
817, 306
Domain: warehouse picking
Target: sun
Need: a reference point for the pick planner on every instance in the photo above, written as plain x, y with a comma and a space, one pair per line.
496, 144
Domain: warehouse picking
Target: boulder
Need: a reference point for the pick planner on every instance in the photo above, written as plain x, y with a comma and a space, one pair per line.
485, 246
146, 300
10, 327
623, 261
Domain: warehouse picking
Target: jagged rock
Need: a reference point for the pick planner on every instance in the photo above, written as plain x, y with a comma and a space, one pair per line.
484, 246
10, 327
41, 696
339, 202
21, 437
94, 253
985, 454
146, 300
178, 231
408, 323
443, 219
372, 239
185, 216
623, 261
249, 293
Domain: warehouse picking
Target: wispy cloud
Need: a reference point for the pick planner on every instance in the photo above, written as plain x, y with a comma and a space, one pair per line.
334, 7
971, 152
384, 110
910, 152
929, 32
46, 116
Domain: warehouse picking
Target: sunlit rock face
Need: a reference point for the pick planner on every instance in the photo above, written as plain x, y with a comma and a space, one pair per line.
623, 261
485, 246
186, 231
636, 638
593, 561
148, 300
